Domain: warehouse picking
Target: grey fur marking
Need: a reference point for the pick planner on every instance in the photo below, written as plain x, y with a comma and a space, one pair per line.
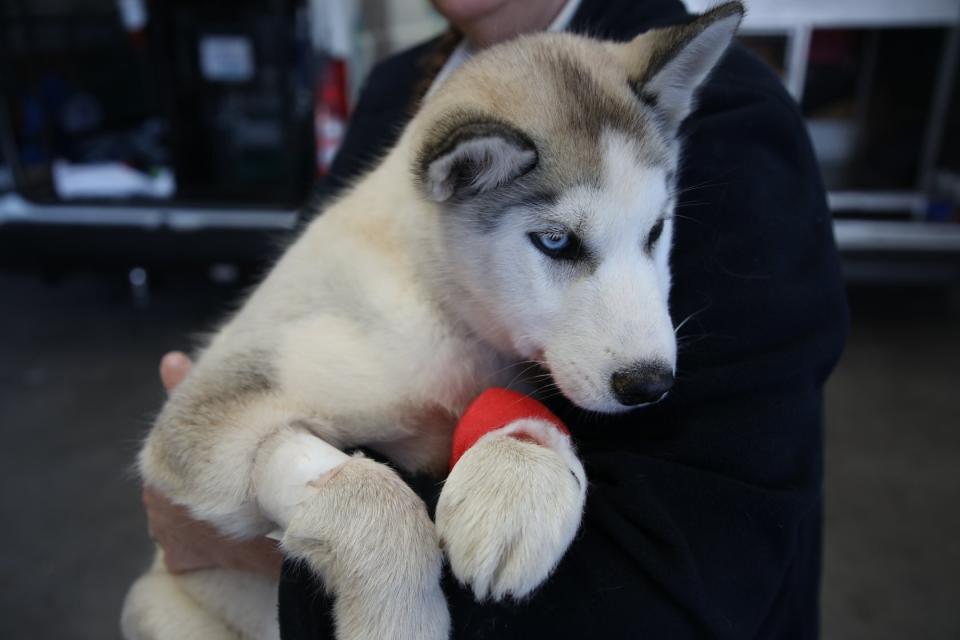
485, 211
207, 404
250, 372
591, 107
457, 128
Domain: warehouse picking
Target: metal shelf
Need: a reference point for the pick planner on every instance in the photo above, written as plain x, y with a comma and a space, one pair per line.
15, 209
880, 202
891, 236
796, 20
780, 15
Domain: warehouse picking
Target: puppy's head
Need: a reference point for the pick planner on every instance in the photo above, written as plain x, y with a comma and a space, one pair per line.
553, 159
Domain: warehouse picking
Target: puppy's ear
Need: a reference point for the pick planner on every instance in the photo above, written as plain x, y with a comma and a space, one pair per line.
474, 158
667, 66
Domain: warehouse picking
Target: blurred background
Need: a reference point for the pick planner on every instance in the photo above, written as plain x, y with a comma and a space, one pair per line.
154, 152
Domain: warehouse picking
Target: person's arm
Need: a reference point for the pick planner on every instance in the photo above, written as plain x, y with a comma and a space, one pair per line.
189, 544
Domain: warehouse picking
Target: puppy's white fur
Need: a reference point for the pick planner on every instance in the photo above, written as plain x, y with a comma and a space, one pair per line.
397, 306
510, 508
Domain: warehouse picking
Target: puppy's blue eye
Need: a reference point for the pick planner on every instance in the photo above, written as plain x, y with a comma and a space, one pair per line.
560, 245
554, 241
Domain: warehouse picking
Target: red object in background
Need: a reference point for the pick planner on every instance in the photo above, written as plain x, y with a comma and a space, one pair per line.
134, 16
833, 46
330, 112
495, 408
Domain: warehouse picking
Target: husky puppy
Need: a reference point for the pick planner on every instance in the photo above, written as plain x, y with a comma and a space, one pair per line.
524, 214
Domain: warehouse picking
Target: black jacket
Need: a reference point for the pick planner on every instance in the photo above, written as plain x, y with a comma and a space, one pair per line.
703, 516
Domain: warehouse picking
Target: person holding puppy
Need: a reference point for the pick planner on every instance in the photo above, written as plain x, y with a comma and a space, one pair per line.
703, 515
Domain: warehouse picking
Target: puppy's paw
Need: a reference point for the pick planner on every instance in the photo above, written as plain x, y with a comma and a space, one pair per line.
370, 538
510, 508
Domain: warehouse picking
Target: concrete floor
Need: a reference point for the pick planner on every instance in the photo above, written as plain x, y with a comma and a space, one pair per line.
892, 552
78, 384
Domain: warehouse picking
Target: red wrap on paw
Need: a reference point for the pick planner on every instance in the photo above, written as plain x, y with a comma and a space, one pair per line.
493, 409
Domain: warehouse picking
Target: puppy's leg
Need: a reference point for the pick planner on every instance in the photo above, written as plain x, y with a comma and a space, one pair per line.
353, 521
212, 604
201, 453
510, 508
369, 537
203, 449
157, 608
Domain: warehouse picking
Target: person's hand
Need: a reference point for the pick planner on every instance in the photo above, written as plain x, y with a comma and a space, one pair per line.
189, 544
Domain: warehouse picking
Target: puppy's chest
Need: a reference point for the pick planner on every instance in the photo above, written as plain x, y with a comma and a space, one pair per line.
377, 382
419, 436
459, 370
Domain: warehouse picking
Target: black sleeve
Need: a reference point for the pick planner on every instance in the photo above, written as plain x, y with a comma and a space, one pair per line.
703, 516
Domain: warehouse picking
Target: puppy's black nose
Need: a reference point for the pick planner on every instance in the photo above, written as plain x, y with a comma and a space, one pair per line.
641, 383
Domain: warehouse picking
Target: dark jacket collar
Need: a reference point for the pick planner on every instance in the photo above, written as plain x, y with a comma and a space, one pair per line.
624, 19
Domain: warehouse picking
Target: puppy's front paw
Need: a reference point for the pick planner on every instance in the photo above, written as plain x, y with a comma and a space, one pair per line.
368, 535
510, 508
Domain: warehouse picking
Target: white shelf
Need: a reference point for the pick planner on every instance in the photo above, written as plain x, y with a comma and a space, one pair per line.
785, 15
15, 209
890, 236
877, 201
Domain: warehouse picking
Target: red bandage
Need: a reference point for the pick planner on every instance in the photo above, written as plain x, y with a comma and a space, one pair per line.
493, 409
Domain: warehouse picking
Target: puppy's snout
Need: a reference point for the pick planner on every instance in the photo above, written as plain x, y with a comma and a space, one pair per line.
641, 383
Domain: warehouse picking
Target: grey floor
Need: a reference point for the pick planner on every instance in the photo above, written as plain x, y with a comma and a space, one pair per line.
78, 384
892, 556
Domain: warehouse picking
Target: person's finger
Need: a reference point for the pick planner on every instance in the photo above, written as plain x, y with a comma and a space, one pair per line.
177, 562
148, 493
153, 499
174, 367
